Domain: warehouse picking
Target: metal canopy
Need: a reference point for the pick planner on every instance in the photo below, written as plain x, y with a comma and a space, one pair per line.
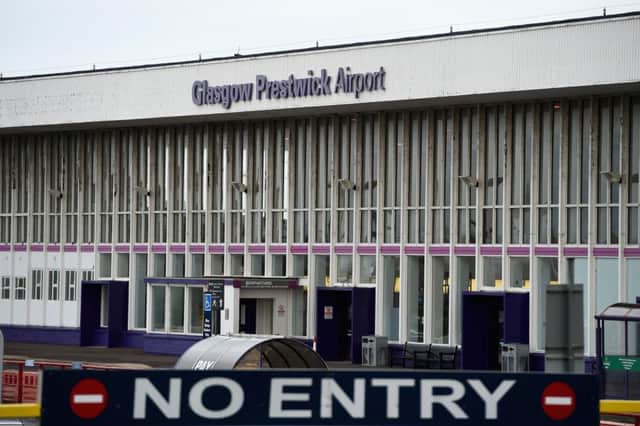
245, 352
621, 312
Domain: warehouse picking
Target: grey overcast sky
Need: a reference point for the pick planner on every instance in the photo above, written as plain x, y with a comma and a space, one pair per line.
47, 36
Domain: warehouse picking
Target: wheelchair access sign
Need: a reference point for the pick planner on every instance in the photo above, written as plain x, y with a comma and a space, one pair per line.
313, 397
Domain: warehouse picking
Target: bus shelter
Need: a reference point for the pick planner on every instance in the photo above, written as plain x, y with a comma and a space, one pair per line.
618, 350
249, 352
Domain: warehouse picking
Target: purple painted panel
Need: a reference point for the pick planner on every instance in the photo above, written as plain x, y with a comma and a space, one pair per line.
632, 252
87, 248
168, 344
366, 250
518, 251
158, 248
122, 248
53, 248
133, 339
278, 248
19, 247
576, 251
390, 249
464, 250
342, 249
236, 248
37, 247
70, 248
439, 250
606, 251
104, 248
490, 251
256, 249
545, 251
52, 335
5, 247
218, 249
299, 249
415, 250
320, 249
196, 248
140, 248
177, 248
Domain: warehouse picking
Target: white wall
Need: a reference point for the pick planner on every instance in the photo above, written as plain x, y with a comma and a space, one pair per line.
580, 54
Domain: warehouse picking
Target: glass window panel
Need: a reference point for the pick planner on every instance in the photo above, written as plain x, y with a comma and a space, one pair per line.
492, 274
441, 285
195, 308
176, 309
345, 267
157, 308
391, 297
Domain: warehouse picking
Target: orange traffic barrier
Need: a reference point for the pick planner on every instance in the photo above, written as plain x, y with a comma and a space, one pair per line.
10, 386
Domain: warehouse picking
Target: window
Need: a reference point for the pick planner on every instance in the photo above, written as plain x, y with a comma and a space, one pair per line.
345, 177
467, 167
54, 278
392, 147
5, 290
368, 269
69, 285
368, 180
323, 164
441, 144
158, 307
195, 310
391, 296
86, 275
21, 288
495, 123
36, 284
633, 159
521, 154
176, 309
578, 173
549, 173
415, 289
300, 171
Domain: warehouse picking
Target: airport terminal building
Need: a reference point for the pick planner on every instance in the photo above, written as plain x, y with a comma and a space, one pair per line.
427, 189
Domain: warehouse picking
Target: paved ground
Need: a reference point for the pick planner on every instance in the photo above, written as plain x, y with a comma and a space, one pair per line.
125, 357
100, 355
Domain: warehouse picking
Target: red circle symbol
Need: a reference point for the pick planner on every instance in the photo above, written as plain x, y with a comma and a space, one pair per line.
88, 398
558, 401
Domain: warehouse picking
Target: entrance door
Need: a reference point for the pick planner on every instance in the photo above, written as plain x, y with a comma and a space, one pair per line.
334, 324
248, 316
117, 313
489, 319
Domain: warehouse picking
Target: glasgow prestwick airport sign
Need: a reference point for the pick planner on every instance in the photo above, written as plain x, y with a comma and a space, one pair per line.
312, 85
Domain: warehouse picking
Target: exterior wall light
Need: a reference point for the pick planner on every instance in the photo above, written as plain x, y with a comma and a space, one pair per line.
612, 177
239, 186
470, 181
347, 185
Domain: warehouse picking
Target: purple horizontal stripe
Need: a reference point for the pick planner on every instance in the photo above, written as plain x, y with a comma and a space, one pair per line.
320, 249
122, 248
53, 248
104, 248
632, 252
390, 249
5, 247
70, 248
19, 247
419, 250
464, 250
366, 250
87, 248
37, 247
158, 248
255, 249
546, 251
236, 248
278, 248
518, 251
576, 251
217, 249
140, 248
439, 250
606, 251
490, 251
343, 249
299, 249
177, 248
196, 248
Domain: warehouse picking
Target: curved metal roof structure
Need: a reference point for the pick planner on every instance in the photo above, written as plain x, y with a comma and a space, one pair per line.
245, 352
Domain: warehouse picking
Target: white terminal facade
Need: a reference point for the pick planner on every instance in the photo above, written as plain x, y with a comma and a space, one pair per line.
503, 160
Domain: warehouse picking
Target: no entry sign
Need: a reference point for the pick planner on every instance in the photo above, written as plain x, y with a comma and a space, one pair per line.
309, 397
88, 398
558, 401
